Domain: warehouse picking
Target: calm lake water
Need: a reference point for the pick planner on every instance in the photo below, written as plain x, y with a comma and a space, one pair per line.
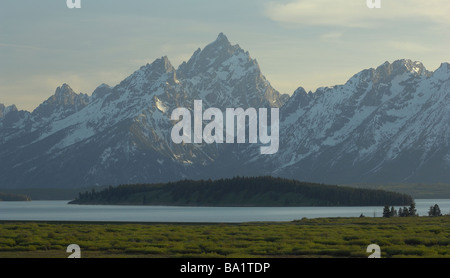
61, 211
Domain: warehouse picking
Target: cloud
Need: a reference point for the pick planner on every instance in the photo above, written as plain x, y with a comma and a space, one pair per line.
411, 47
355, 13
316, 12
331, 36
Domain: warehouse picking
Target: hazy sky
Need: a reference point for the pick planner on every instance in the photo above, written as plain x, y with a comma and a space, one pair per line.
308, 43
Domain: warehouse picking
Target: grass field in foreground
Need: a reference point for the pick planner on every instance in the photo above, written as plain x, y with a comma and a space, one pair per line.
423, 237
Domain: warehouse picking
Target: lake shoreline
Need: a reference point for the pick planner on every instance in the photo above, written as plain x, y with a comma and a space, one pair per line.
97, 222
63, 212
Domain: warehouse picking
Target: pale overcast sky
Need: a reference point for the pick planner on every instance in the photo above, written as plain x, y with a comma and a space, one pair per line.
308, 43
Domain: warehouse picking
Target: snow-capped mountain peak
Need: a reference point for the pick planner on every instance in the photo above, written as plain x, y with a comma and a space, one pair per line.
62, 104
399, 67
147, 76
5, 110
220, 74
211, 57
443, 72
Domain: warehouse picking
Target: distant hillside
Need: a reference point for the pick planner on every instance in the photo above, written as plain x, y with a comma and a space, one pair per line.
51, 193
13, 197
416, 190
258, 191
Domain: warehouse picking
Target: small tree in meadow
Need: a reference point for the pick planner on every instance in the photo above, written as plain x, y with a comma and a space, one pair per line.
434, 211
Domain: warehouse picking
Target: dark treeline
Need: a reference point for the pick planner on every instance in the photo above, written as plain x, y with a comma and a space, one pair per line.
13, 197
416, 190
410, 211
402, 212
434, 211
241, 191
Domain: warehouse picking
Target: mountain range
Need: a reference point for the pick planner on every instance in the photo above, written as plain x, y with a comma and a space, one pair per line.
385, 124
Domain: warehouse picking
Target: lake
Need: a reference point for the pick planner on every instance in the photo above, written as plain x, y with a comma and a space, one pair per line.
61, 211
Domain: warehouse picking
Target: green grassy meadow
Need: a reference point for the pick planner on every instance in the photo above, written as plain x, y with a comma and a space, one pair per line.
411, 237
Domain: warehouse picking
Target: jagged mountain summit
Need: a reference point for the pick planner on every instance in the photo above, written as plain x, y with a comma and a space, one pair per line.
121, 134
222, 74
385, 124
62, 104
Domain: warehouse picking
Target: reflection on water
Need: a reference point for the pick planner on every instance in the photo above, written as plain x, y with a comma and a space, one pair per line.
61, 211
